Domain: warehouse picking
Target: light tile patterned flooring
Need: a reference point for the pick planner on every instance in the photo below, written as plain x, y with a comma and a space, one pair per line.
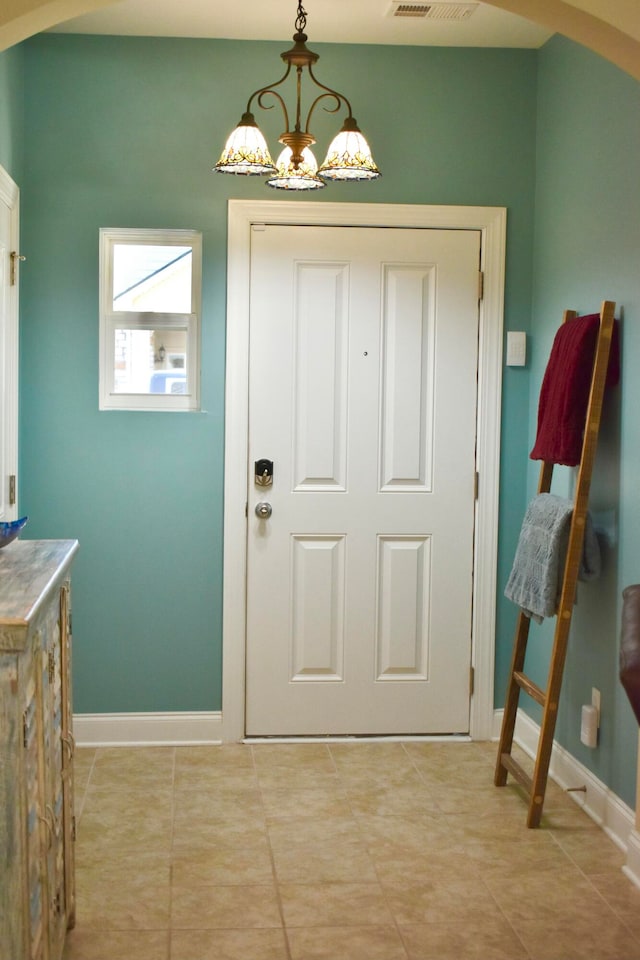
336, 851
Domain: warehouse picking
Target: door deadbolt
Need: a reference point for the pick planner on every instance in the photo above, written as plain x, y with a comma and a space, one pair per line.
263, 510
263, 473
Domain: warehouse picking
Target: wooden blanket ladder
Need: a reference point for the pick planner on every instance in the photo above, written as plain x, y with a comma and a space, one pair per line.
548, 699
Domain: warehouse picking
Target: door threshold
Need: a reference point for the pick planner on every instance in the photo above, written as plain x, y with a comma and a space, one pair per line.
366, 738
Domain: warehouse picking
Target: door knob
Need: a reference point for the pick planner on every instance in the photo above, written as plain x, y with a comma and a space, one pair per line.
263, 510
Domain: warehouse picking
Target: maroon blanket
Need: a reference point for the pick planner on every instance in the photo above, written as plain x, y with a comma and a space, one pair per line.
564, 395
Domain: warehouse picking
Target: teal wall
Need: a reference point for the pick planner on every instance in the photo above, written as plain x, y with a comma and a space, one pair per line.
123, 132
587, 249
12, 111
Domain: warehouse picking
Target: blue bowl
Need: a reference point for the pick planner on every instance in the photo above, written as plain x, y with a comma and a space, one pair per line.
9, 531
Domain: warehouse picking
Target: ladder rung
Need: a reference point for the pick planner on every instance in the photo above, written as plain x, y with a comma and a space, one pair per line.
534, 691
516, 770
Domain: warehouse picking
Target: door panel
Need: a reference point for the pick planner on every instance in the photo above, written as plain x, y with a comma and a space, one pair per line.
408, 377
320, 376
317, 611
404, 601
363, 372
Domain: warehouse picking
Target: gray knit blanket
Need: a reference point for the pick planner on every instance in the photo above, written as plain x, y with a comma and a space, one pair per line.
535, 582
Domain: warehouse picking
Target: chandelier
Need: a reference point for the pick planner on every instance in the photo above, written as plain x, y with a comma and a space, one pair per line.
246, 151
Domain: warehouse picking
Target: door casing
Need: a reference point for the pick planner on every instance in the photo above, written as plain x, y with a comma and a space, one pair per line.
243, 215
10, 196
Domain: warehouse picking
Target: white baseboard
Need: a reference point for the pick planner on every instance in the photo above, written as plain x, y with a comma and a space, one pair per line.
599, 802
140, 729
632, 866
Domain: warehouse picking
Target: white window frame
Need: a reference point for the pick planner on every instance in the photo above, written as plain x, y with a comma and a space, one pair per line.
112, 320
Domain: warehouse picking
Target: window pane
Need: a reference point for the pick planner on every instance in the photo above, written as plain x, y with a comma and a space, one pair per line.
150, 361
151, 277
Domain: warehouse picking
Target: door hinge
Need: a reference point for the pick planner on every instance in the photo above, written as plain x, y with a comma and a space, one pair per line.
476, 485
472, 680
15, 257
12, 489
480, 284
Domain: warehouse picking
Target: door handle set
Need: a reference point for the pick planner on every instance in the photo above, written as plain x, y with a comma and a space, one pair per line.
263, 477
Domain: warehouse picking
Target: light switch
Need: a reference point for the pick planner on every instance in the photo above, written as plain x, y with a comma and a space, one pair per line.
516, 348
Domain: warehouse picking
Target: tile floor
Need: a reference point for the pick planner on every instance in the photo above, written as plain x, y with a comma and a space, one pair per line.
336, 851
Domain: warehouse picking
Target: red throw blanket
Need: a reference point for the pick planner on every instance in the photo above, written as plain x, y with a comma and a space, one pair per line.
564, 395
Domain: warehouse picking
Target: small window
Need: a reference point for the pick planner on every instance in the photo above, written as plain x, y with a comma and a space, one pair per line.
150, 319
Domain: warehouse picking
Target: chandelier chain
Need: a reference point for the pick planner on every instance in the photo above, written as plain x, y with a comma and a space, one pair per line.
301, 18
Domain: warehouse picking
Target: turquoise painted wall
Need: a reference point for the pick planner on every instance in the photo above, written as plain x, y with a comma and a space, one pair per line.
587, 249
12, 111
123, 132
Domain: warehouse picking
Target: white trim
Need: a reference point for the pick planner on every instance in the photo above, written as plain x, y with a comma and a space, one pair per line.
112, 320
10, 195
143, 729
491, 222
632, 867
599, 802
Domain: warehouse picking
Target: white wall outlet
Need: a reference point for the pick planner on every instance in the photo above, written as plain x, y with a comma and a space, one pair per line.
516, 348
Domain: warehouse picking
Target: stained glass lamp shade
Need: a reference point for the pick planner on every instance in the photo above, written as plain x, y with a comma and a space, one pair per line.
349, 156
246, 151
304, 178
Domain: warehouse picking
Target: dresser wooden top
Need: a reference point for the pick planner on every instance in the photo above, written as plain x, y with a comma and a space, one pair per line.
29, 571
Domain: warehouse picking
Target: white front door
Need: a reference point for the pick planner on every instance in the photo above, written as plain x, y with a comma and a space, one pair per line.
8, 348
362, 391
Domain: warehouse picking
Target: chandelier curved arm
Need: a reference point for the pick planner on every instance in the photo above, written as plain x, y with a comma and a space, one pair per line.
269, 88
329, 92
322, 96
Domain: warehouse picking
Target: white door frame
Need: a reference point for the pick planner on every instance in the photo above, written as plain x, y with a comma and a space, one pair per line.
491, 222
10, 195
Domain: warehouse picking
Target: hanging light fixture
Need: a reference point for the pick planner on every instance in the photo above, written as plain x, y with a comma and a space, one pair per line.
246, 151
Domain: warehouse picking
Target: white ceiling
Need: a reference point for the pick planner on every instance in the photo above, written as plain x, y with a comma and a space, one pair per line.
337, 21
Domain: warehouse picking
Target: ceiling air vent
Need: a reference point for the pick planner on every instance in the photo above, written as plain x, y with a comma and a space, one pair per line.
433, 11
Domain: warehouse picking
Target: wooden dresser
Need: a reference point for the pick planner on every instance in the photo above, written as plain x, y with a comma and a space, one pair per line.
37, 899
